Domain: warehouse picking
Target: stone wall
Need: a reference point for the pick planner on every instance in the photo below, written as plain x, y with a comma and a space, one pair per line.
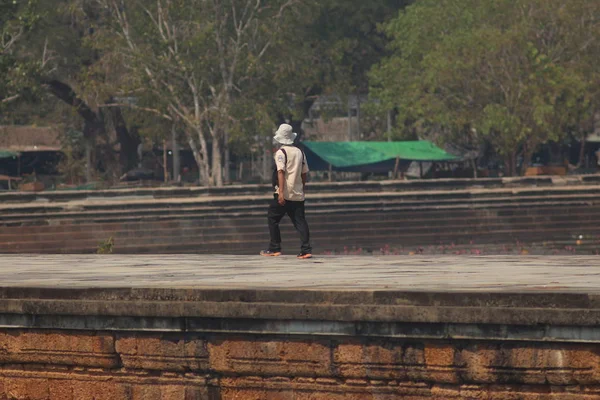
192, 344
367, 215
79, 365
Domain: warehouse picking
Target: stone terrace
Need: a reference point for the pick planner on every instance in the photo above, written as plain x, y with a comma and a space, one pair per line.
185, 327
533, 274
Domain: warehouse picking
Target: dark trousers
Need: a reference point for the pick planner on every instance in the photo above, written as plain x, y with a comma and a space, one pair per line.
295, 210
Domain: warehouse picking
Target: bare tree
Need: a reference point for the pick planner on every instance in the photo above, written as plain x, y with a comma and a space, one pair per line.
191, 60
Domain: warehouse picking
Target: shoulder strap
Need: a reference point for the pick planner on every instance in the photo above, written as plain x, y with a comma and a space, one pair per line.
284, 153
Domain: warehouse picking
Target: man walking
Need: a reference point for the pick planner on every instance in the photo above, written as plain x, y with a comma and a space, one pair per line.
289, 185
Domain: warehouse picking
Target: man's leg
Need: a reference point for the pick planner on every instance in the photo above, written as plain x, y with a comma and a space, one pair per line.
296, 214
274, 215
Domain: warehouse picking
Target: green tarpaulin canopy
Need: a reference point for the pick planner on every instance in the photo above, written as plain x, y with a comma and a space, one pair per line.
8, 154
344, 155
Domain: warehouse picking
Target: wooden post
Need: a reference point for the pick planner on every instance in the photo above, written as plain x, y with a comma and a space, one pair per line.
330, 173
396, 166
421, 169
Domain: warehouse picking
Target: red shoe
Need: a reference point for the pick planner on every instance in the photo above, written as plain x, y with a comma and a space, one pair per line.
269, 253
304, 256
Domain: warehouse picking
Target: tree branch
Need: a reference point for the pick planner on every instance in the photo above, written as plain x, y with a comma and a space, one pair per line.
9, 99
134, 107
65, 93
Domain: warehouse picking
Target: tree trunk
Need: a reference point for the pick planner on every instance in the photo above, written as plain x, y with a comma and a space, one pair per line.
297, 123
358, 135
512, 170
128, 139
95, 127
226, 160
176, 158
527, 155
200, 157
510, 164
582, 150
217, 165
165, 162
474, 165
88, 161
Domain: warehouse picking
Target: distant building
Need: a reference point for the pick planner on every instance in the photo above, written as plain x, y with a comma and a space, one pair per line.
25, 139
334, 119
26, 150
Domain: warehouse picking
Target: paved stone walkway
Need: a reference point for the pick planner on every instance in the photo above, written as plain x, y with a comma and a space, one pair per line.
418, 273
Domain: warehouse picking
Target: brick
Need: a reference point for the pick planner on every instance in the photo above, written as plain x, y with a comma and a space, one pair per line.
441, 364
146, 392
540, 364
156, 353
349, 353
379, 360
28, 389
73, 349
269, 358
196, 393
61, 389
439, 354
110, 390
172, 392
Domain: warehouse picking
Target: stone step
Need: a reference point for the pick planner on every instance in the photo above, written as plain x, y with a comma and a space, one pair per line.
331, 206
532, 213
250, 224
212, 202
315, 187
237, 224
359, 236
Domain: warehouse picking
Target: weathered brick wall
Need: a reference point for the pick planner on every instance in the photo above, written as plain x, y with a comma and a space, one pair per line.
78, 365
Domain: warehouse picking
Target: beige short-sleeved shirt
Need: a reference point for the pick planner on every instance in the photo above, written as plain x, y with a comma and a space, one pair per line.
294, 168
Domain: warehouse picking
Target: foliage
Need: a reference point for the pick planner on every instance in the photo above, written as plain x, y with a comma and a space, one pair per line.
194, 63
72, 165
17, 20
224, 71
106, 247
511, 73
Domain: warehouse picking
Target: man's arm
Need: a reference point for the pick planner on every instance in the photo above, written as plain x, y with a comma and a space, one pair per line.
304, 172
281, 184
304, 177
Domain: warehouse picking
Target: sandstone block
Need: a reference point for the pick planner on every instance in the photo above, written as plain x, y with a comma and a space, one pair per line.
27, 389
61, 389
541, 364
64, 348
146, 392
172, 392
268, 358
109, 390
378, 360
162, 354
441, 365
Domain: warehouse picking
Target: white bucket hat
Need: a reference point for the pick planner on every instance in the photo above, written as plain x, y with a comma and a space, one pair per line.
285, 134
